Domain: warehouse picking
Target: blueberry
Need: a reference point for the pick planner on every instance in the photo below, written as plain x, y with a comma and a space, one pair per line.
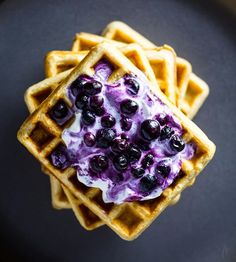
163, 170
161, 118
88, 117
137, 171
177, 143
89, 139
147, 183
120, 163
150, 129
147, 161
60, 158
128, 107
96, 101
77, 85
108, 121
143, 145
133, 86
99, 163
110, 155
166, 132
100, 111
92, 87
115, 177
124, 136
81, 101
104, 137
125, 123
133, 153
119, 145
60, 110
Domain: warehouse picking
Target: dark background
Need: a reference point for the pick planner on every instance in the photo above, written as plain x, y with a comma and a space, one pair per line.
202, 226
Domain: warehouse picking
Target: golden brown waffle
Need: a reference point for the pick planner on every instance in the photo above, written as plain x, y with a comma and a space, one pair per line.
61, 197
195, 90
43, 89
33, 99
190, 99
37, 93
40, 135
84, 215
61, 61
196, 93
183, 72
57, 61
58, 196
85, 41
120, 31
162, 61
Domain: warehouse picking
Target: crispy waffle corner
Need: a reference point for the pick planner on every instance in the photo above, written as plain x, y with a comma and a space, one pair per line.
63, 198
121, 32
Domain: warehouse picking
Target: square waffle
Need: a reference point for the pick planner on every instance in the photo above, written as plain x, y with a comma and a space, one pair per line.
41, 135
85, 41
183, 72
196, 93
121, 32
55, 63
191, 100
58, 61
61, 196
162, 60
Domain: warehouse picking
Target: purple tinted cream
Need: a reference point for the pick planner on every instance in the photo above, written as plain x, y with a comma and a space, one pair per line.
123, 139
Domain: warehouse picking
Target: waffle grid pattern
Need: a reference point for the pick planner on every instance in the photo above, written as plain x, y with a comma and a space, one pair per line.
128, 219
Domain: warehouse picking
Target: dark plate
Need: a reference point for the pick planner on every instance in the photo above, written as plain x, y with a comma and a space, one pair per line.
202, 227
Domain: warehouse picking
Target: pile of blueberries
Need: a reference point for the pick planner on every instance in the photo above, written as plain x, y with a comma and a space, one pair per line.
122, 153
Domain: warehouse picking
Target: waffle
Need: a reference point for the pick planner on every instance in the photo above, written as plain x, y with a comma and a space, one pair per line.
189, 101
57, 61
37, 93
61, 197
196, 93
83, 214
58, 196
120, 31
183, 72
61, 61
40, 135
85, 41
162, 61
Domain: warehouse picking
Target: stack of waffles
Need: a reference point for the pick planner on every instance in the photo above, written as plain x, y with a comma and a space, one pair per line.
170, 77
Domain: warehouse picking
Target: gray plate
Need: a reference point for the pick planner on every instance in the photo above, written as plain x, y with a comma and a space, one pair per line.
202, 227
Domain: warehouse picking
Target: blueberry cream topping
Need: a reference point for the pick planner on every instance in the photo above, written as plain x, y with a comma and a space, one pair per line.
123, 139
